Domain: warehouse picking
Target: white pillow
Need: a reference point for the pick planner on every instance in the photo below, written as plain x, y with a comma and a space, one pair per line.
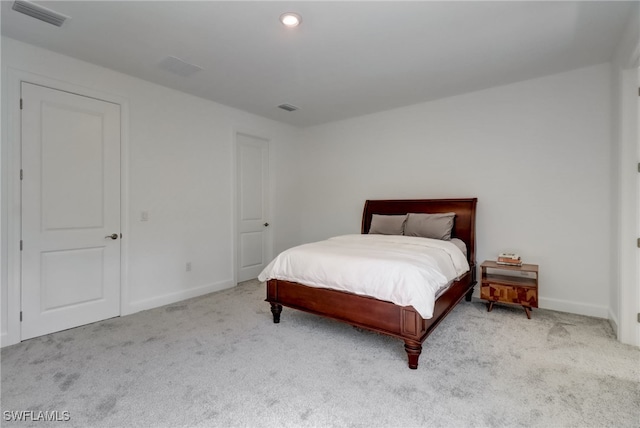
460, 244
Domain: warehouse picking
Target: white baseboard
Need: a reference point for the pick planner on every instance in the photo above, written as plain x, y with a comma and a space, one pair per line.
178, 296
7, 339
569, 306
574, 307
613, 320
4, 340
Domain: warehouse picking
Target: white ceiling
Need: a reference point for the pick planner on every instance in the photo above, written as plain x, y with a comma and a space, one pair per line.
346, 59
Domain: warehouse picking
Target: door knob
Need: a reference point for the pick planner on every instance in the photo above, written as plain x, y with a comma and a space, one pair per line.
266, 224
112, 236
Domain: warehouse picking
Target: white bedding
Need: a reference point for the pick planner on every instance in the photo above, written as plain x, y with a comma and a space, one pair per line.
405, 270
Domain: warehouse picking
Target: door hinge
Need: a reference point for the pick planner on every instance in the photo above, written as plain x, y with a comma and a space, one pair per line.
638, 242
638, 316
22, 174
21, 245
20, 316
20, 103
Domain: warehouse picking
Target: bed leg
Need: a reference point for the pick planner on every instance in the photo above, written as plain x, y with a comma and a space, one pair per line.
469, 294
413, 352
276, 309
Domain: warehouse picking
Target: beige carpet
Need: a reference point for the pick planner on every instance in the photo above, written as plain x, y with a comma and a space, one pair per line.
219, 361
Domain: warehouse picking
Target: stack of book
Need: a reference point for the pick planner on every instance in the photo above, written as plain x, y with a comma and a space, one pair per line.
509, 259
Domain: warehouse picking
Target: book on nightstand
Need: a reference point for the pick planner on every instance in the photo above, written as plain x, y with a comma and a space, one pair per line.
509, 259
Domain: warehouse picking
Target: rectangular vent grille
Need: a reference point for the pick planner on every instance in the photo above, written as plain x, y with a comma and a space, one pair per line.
288, 107
177, 66
39, 12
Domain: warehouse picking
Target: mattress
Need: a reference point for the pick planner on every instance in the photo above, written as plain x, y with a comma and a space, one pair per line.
404, 270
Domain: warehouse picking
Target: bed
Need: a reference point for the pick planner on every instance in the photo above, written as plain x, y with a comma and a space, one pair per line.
381, 316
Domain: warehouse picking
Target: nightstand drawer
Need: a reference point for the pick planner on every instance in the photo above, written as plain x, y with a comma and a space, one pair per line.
519, 295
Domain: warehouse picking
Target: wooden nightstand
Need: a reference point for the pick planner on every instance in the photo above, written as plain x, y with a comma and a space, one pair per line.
509, 286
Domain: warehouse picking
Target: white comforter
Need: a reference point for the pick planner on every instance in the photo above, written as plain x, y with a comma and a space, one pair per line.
405, 270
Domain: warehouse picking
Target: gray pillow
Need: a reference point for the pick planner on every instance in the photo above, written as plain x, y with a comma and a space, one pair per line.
436, 226
387, 224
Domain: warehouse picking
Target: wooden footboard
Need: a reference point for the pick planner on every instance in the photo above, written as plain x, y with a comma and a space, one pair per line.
369, 313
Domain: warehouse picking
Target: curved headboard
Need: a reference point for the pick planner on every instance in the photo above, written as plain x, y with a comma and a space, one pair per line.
464, 225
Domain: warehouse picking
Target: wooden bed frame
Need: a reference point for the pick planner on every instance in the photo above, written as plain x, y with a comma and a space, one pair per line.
382, 316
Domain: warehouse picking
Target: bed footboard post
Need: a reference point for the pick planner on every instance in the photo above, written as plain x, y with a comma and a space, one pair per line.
276, 309
414, 349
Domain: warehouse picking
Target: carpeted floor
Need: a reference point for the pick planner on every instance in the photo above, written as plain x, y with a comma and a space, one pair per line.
219, 361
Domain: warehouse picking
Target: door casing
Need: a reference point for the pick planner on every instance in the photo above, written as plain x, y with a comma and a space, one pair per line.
70, 271
236, 223
11, 161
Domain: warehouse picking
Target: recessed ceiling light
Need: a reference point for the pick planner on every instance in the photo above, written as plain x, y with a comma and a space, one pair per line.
290, 19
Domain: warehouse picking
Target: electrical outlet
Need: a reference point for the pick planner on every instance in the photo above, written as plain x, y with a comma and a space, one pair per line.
188, 267
144, 216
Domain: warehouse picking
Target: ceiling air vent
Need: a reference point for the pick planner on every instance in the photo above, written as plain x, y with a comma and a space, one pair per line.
178, 66
288, 107
39, 12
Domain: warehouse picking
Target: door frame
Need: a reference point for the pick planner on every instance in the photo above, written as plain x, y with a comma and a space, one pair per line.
234, 211
13, 138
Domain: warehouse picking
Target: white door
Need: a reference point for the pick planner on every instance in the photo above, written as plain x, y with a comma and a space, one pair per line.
252, 155
70, 210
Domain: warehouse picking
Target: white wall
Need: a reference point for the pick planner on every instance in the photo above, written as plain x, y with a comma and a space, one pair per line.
535, 153
180, 169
